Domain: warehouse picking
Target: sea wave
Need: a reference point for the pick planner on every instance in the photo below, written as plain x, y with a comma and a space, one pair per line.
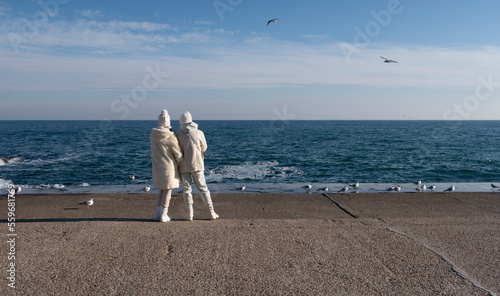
251, 171
10, 160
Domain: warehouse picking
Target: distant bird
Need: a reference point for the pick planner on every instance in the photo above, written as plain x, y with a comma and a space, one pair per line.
355, 186
388, 61
146, 189
392, 188
493, 187
272, 21
431, 188
418, 182
132, 178
18, 189
344, 189
450, 189
242, 188
423, 188
307, 187
325, 189
398, 188
88, 203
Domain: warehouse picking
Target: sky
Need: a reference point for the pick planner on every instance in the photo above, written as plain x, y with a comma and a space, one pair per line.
219, 59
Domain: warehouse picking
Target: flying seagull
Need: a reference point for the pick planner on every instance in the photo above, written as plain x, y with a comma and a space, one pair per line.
88, 203
388, 61
272, 21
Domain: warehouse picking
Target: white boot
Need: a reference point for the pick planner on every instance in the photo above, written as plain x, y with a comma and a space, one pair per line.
164, 215
190, 213
213, 215
159, 210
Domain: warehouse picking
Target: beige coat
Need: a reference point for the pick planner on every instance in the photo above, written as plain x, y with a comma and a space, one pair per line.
165, 156
193, 145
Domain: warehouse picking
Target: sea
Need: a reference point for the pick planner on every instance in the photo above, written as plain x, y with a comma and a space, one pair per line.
277, 156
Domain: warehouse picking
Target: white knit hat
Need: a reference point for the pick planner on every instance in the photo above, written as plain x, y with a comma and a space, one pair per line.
164, 119
185, 118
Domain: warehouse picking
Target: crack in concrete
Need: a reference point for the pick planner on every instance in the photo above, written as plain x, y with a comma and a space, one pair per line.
457, 270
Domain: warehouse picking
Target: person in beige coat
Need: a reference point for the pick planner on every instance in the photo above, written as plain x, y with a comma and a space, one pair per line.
192, 167
165, 156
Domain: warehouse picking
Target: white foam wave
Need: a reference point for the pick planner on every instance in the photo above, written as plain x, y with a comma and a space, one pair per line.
4, 184
251, 171
10, 160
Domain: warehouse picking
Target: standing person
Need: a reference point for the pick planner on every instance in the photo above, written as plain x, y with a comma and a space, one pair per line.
165, 156
192, 167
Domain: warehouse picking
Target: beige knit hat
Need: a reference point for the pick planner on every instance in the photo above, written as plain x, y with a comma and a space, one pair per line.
164, 119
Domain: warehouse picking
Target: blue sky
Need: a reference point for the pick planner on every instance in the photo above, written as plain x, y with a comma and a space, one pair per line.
125, 60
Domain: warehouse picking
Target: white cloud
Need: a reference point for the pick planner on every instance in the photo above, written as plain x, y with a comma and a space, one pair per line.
101, 36
88, 13
4, 8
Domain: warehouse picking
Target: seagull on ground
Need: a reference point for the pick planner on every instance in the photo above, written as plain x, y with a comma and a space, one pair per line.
418, 182
355, 186
242, 188
344, 189
88, 203
388, 61
397, 188
272, 21
450, 189
18, 189
431, 188
146, 189
493, 187
325, 189
392, 188
307, 188
423, 188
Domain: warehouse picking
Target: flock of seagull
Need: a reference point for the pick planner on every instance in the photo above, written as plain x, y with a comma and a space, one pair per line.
397, 188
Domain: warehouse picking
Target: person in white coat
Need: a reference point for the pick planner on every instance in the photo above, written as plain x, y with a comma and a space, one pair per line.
192, 167
166, 155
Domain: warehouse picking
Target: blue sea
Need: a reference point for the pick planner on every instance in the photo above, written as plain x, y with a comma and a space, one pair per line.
266, 156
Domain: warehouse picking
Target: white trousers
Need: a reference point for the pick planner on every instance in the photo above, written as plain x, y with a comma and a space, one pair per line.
199, 181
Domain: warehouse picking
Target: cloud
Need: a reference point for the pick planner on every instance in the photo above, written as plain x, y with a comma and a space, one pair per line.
4, 8
91, 54
88, 13
104, 36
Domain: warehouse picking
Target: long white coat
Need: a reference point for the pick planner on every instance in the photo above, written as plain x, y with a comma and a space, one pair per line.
165, 156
